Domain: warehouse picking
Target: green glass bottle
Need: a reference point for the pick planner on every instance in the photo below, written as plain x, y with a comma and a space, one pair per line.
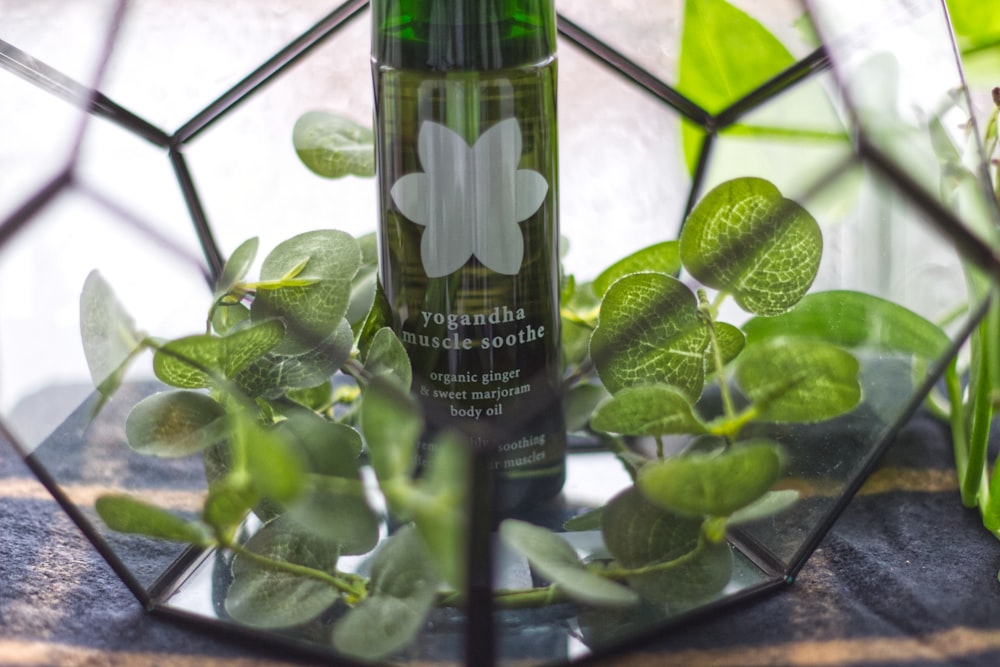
466, 154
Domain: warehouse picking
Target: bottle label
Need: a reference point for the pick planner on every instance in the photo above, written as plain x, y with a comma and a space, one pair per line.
470, 199
470, 259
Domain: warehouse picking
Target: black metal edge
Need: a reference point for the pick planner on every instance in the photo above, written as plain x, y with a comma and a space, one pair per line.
202, 228
480, 633
77, 517
265, 73
817, 61
629, 644
631, 70
279, 646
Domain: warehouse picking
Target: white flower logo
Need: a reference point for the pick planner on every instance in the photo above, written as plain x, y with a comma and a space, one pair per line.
470, 198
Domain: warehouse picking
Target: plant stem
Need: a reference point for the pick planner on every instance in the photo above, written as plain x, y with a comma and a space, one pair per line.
349, 584
707, 311
526, 598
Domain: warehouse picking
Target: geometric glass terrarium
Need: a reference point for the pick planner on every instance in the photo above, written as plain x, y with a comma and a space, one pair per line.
149, 145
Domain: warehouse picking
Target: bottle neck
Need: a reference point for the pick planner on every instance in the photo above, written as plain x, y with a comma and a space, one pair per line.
462, 35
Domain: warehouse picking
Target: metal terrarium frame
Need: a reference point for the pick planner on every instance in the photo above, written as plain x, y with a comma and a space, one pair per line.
177, 583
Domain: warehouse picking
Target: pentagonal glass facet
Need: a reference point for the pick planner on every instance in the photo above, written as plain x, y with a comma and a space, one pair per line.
855, 111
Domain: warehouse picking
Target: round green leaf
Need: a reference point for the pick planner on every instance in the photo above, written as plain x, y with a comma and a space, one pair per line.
276, 372
387, 356
237, 266
580, 402
404, 584
336, 509
556, 560
650, 332
191, 361
744, 238
128, 515
700, 485
328, 260
107, 331
731, 342
391, 422
265, 597
853, 320
332, 146
638, 533
325, 447
648, 410
175, 423
661, 257
799, 380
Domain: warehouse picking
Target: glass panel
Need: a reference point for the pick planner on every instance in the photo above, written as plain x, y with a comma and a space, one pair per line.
211, 47
620, 165
644, 31
896, 63
250, 179
50, 53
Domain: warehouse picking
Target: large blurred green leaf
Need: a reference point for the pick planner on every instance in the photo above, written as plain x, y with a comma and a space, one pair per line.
336, 509
724, 54
746, 239
853, 320
391, 422
650, 332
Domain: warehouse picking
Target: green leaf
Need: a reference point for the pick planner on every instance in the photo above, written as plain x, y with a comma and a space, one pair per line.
650, 332
438, 504
404, 585
336, 509
274, 466
853, 320
263, 596
700, 485
653, 410
175, 423
379, 317
276, 372
328, 260
128, 515
324, 447
769, 504
110, 338
190, 362
731, 342
237, 266
724, 54
579, 404
391, 422
661, 258
799, 380
363, 287
589, 520
744, 238
226, 317
557, 561
638, 533
333, 146
387, 356
227, 503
